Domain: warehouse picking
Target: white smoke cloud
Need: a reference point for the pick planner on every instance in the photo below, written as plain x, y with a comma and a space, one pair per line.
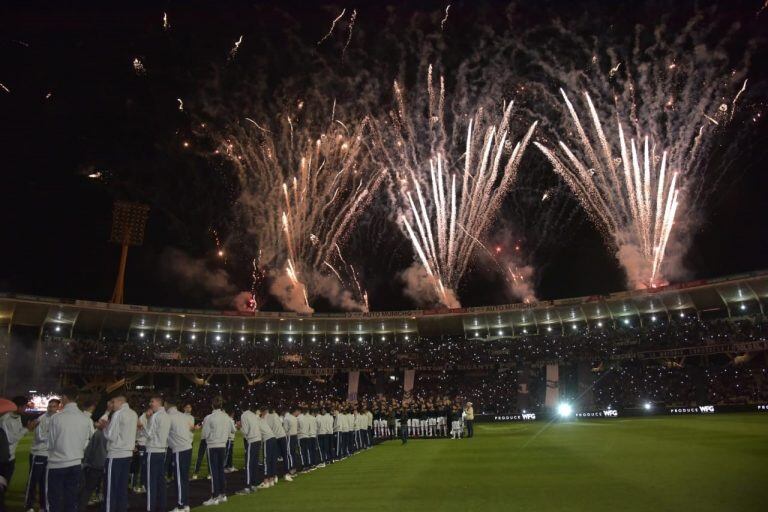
505, 251
638, 268
293, 295
420, 286
330, 288
194, 275
290, 293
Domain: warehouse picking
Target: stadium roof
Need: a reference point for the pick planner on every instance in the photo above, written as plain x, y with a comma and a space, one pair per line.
740, 295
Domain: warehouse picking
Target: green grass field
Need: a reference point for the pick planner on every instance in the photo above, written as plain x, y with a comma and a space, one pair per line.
697, 463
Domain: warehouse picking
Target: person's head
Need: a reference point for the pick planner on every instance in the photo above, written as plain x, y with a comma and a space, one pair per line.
170, 402
118, 401
188, 408
68, 396
53, 405
263, 410
217, 403
296, 411
88, 405
156, 403
21, 403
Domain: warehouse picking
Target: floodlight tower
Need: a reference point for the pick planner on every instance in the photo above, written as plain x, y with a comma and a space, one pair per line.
128, 222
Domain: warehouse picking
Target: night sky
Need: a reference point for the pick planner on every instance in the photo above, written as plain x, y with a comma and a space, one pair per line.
76, 106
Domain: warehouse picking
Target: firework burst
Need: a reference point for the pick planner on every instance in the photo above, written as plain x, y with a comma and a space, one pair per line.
302, 194
448, 205
631, 198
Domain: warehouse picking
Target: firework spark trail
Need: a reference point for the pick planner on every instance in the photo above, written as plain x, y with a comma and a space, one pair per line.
3, 87
633, 206
302, 194
445, 18
444, 213
349, 34
166, 25
235, 48
333, 26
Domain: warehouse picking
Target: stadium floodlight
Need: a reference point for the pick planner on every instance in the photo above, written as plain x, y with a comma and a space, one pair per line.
525, 331
549, 329
337, 339
193, 337
564, 410
501, 332
599, 324
406, 338
141, 334
266, 338
359, 338
167, 336
626, 321
743, 307
682, 315
313, 338
574, 327
647, 406
653, 318
57, 328
128, 223
242, 338
218, 338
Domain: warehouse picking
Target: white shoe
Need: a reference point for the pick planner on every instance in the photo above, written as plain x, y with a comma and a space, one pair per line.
321, 465
262, 485
31, 510
244, 492
212, 501
194, 477
222, 498
288, 478
140, 490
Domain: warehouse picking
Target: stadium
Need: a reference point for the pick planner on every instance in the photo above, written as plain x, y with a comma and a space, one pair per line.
688, 356
407, 255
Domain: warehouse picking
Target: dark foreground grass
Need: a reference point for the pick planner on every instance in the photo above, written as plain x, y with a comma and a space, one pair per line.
702, 463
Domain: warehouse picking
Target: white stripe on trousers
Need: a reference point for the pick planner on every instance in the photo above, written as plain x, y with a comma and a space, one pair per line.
47, 502
248, 464
29, 480
266, 471
149, 482
301, 453
178, 481
288, 451
210, 472
109, 484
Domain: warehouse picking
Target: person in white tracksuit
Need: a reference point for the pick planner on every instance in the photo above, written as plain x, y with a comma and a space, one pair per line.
216, 429
120, 432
